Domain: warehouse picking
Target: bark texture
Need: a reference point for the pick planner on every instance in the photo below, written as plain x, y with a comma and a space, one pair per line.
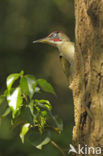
88, 81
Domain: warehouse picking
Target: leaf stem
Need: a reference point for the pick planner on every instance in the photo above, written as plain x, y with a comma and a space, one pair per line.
58, 147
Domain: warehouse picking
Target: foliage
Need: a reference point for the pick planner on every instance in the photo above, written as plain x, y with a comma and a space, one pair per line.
33, 116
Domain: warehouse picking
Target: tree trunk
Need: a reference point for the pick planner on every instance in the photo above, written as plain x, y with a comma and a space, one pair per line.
88, 81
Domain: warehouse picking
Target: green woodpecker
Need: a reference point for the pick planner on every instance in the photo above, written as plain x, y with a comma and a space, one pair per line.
66, 51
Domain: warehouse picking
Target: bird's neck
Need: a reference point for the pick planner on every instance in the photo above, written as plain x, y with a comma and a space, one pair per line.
67, 50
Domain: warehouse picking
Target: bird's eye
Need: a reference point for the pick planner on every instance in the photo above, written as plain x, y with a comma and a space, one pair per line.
53, 35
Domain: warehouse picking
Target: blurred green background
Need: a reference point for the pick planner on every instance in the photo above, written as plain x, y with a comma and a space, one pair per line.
21, 22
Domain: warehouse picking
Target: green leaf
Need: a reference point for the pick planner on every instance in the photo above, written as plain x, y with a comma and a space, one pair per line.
2, 99
58, 122
44, 113
38, 140
24, 130
21, 73
42, 123
15, 101
3, 107
44, 142
7, 111
27, 115
46, 86
43, 104
31, 108
28, 85
11, 79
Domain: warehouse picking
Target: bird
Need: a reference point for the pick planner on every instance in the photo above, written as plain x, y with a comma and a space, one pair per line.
66, 51
66, 54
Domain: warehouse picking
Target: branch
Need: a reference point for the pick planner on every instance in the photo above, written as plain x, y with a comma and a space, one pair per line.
58, 147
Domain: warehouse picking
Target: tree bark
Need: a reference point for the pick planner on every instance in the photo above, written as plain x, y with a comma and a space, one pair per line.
88, 80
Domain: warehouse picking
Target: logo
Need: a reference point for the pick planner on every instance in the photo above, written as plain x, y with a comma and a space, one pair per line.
85, 149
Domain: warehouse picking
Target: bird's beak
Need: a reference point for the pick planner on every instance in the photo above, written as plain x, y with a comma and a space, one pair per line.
43, 40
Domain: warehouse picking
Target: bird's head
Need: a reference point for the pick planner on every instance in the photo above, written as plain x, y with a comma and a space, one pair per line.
55, 38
